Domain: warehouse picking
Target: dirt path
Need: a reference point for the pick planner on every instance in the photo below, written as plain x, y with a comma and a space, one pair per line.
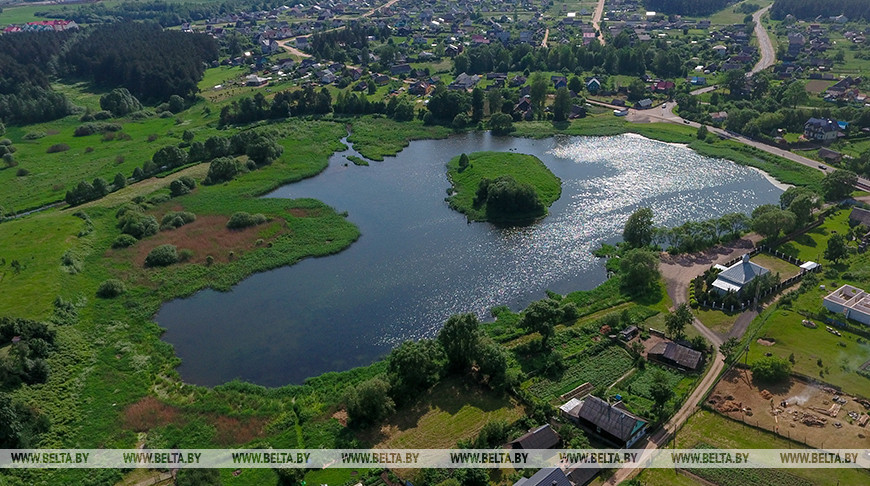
596, 19
142, 188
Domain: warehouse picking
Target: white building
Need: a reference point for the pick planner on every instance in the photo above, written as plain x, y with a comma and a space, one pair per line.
850, 301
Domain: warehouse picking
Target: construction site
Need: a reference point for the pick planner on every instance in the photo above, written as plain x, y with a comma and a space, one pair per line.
811, 413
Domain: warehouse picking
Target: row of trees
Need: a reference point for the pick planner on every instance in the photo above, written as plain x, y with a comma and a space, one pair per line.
686, 7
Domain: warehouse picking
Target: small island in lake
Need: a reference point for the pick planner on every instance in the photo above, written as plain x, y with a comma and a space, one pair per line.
501, 187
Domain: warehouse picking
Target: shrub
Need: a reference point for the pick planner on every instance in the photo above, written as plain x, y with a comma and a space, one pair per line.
185, 255
222, 169
102, 115
120, 102
33, 135
89, 150
138, 225
242, 219
58, 147
771, 369
209, 260
176, 219
161, 256
123, 241
152, 137
111, 288
9, 160
158, 198
22, 172
178, 188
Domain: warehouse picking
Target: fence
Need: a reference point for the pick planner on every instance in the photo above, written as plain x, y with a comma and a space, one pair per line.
743, 305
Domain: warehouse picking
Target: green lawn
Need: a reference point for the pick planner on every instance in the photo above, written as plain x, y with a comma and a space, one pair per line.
776, 265
839, 362
706, 427
377, 137
715, 320
525, 169
811, 245
452, 410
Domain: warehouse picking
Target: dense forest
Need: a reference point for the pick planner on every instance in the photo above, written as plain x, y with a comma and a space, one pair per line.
353, 43
152, 63
167, 14
686, 7
810, 9
25, 92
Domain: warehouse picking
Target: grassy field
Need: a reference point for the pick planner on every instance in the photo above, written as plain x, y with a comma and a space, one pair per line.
375, 137
711, 429
635, 391
451, 411
776, 265
525, 169
715, 320
811, 245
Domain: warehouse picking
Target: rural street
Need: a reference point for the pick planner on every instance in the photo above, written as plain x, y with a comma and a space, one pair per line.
596, 19
546, 37
768, 56
657, 114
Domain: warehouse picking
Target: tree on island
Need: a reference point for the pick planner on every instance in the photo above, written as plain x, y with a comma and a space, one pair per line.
505, 198
463, 162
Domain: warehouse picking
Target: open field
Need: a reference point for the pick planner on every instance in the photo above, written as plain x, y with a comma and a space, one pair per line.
840, 357
452, 410
376, 138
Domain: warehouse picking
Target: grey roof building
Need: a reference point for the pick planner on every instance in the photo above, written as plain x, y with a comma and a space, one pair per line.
543, 437
675, 354
612, 422
735, 277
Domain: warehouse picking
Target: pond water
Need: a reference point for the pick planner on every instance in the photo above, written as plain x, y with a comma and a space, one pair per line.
417, 261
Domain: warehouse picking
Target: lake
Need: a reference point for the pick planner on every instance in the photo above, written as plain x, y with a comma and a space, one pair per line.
417, 261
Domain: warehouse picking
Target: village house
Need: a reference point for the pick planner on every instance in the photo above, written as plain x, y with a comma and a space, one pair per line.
613, 423
851, 302
735, 277
821, 129
676, 355
543, 437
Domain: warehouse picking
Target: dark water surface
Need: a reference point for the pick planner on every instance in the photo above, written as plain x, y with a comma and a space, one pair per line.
417, 261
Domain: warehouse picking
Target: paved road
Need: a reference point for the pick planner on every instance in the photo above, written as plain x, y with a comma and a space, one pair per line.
596, 18
768, 55
668, 115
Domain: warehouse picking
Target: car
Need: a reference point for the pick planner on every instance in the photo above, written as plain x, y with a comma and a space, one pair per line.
686, 122
822, 167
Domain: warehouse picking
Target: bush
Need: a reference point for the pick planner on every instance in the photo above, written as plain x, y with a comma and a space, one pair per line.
182, 186
221, 170
138, 225
771, 369
120, 102
102, 115
111, 288
22, 172
185, 255
123, 241
176, 219
161, 256
242, 219
33, 135
58, 147
159, 198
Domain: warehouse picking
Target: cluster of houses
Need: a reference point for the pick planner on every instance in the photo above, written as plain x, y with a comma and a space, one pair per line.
42, 26
846, 91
